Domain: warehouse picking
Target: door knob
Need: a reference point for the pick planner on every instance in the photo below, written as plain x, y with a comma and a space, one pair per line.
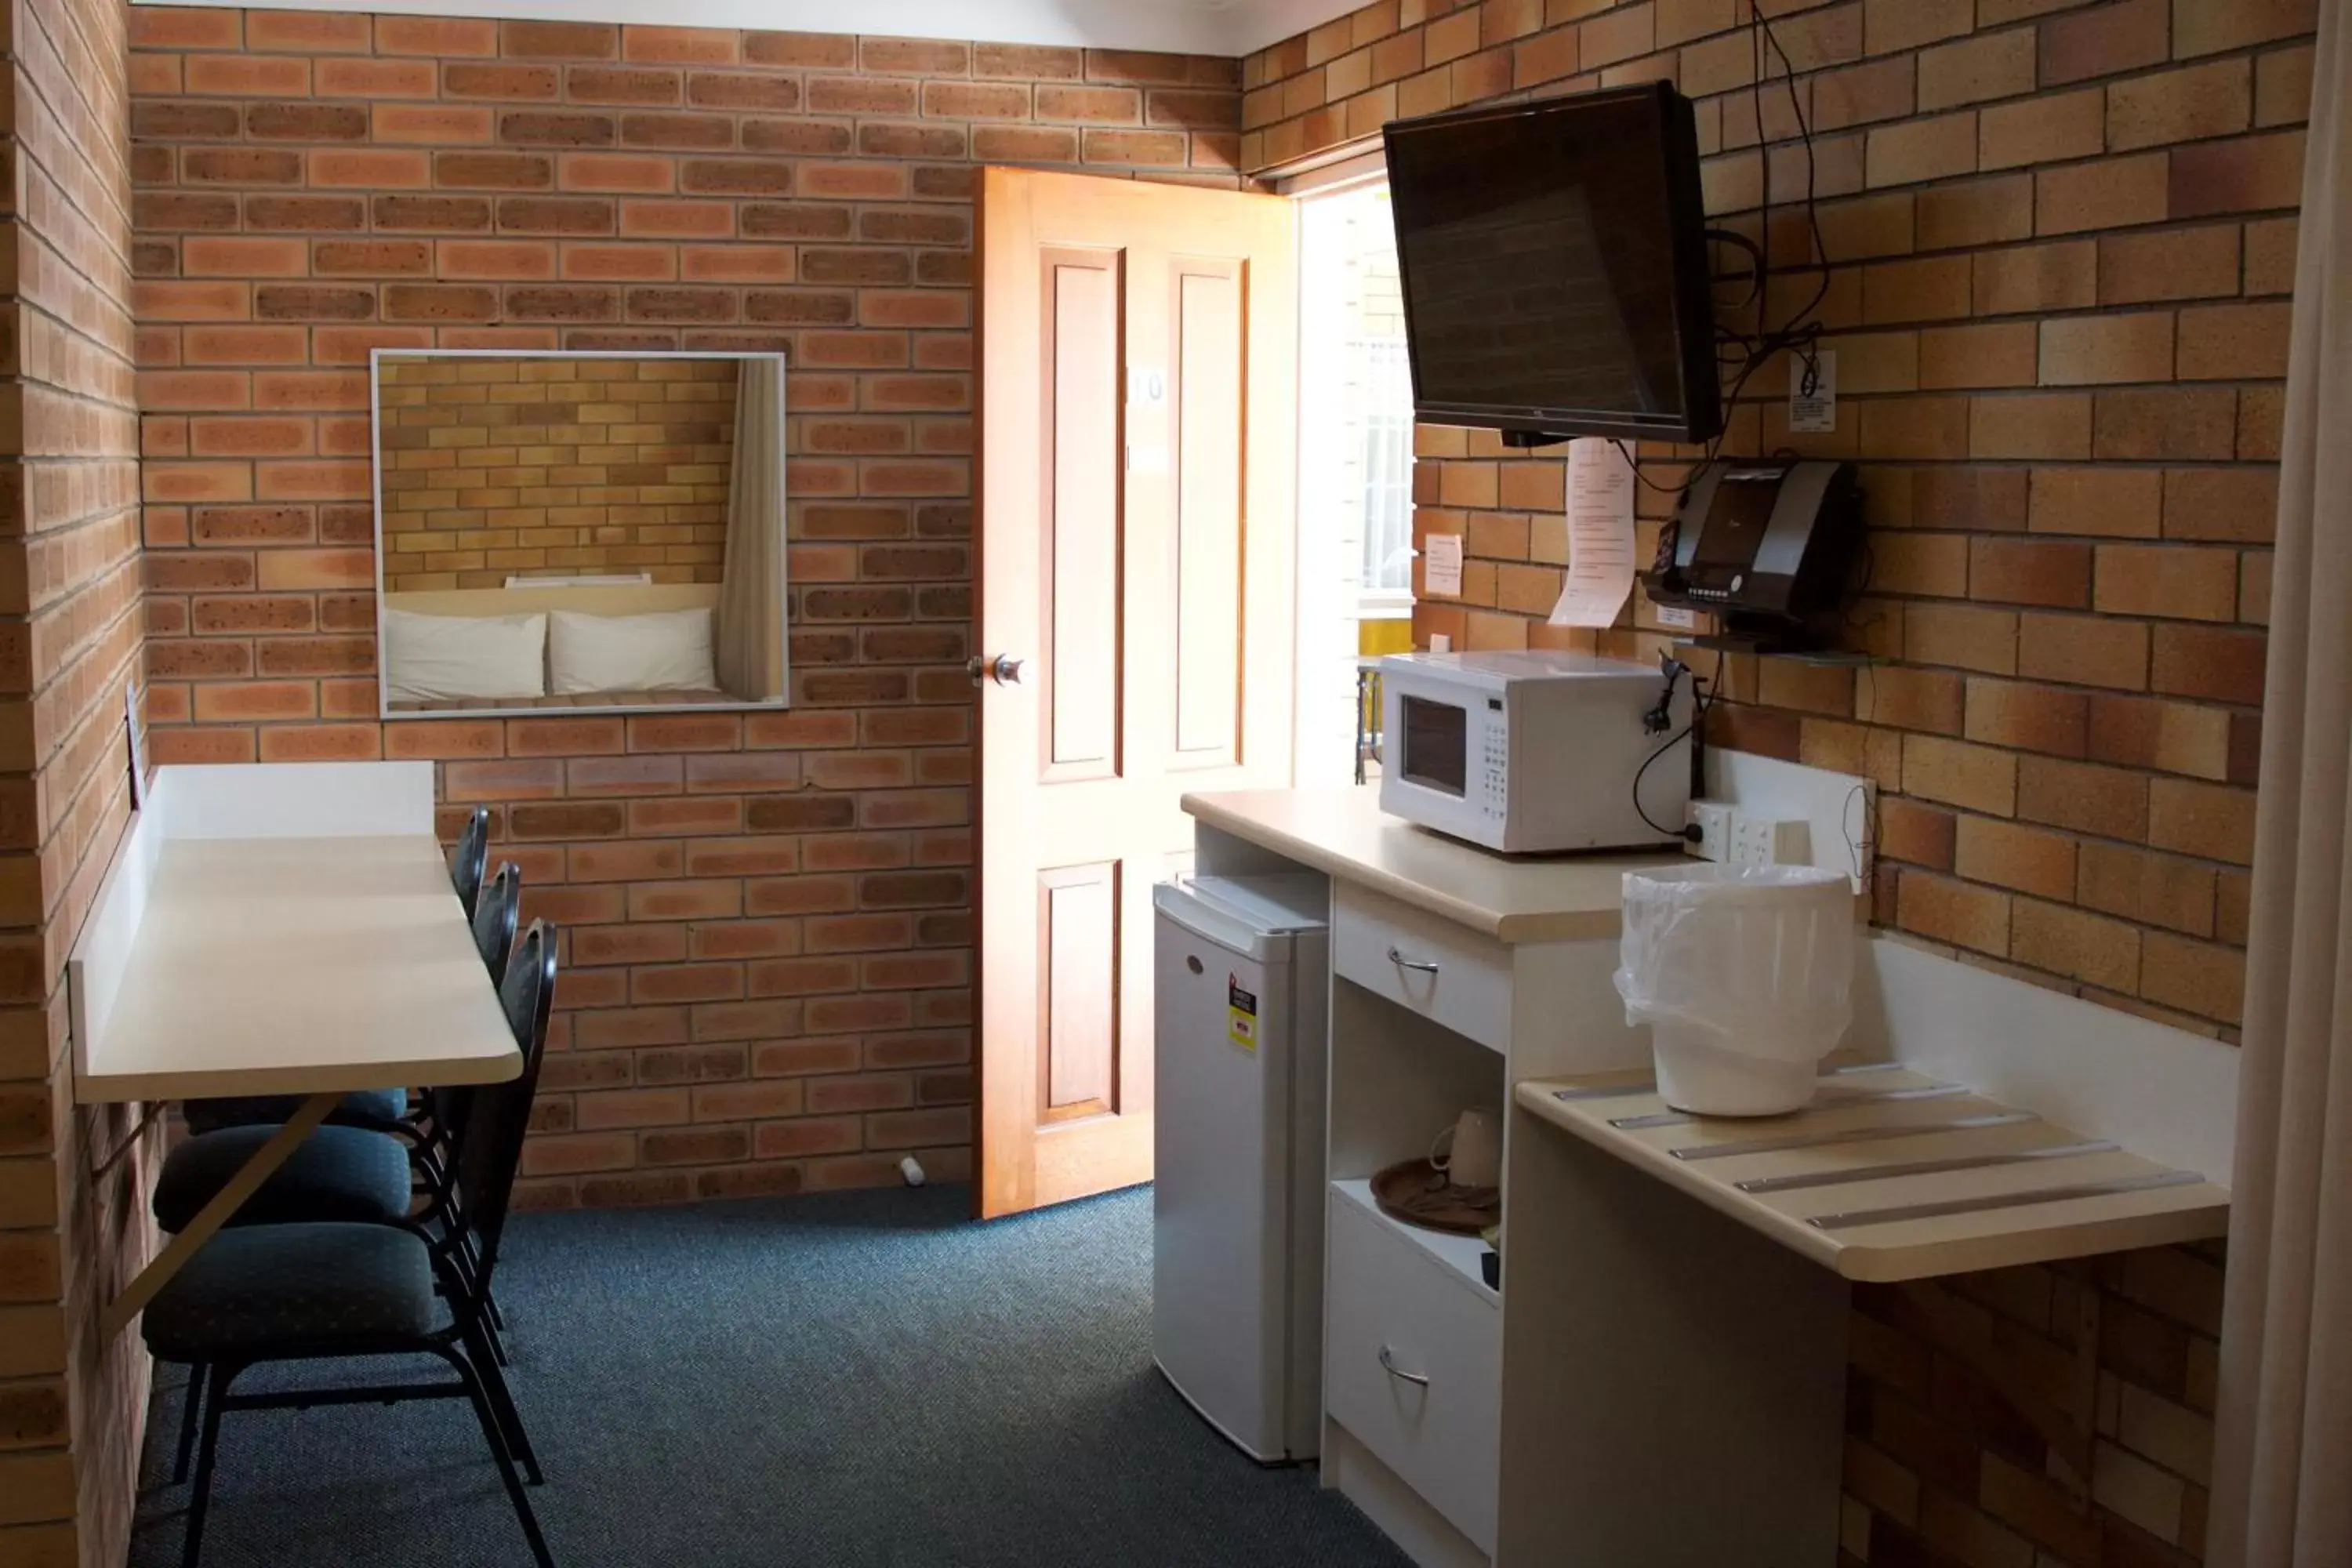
1004, 669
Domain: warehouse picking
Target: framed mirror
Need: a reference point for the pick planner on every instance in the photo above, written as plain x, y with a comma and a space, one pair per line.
563, 530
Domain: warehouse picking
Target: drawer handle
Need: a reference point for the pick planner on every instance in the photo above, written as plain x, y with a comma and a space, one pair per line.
1389, 1365
1401, 961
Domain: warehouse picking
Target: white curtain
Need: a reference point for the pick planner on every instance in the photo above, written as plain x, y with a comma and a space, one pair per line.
748, 638
2283, 1462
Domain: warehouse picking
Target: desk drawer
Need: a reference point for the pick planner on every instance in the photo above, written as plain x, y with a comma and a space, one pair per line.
1388, 1295
1442, 970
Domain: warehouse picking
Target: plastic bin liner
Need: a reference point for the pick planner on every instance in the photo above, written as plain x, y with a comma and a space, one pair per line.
1756, 960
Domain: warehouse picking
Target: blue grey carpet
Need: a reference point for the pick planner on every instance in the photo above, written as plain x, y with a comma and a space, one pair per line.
846, 1381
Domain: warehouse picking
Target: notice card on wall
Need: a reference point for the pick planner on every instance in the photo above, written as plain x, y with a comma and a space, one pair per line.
1599, 535
1441, 565
1813, 393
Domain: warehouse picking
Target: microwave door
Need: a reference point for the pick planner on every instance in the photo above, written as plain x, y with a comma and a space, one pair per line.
1436, 749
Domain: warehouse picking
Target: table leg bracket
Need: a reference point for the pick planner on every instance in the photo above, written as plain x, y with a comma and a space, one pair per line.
248, 1181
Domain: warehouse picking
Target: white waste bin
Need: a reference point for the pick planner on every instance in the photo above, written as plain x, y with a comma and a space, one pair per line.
1744, 976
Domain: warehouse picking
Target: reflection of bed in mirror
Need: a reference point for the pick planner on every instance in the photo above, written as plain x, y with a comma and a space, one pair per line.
579, 530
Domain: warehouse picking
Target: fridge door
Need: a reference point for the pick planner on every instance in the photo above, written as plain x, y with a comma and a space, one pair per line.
1221, 1214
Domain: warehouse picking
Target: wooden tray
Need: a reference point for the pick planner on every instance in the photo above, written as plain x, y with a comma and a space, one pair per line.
1415, 1192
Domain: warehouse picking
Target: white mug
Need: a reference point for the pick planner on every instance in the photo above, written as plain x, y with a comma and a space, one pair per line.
1470, 1150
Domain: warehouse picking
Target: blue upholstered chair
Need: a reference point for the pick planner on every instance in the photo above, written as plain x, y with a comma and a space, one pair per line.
312, 1290
470, 856
346, 1174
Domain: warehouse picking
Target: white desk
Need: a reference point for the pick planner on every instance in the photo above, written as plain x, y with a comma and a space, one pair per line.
1344, 833
1455, 974
1660, 1379
278, 930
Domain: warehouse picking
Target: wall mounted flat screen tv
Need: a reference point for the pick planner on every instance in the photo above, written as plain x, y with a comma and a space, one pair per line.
1555, 269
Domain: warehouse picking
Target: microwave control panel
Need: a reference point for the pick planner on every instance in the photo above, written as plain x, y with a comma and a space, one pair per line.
1495, 774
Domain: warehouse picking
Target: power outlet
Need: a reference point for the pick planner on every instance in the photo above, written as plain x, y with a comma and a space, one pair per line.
1713, 819
1761, 841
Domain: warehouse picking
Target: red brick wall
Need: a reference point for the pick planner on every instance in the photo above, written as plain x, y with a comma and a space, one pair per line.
2062, 235
71, 1407
768, 915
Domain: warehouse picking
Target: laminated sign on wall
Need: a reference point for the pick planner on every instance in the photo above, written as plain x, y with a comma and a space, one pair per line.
1441, 565
1813, 393
1599, 535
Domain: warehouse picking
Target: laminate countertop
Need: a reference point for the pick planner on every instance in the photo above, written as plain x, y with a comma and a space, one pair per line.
1511, 898
298, 966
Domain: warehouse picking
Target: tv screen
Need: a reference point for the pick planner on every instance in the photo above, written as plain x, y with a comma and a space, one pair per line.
1554, 263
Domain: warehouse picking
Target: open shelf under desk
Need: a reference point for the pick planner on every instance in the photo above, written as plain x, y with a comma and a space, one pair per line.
1892, 1175
1458, 1254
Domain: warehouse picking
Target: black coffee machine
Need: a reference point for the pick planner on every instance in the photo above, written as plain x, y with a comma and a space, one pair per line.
1768, 545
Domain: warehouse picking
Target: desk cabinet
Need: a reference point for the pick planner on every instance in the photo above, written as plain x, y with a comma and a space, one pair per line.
1430, 1018
1413, 1362
1426, 965
1659, 1382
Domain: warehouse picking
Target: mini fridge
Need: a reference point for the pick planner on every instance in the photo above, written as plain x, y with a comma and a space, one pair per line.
1242, 971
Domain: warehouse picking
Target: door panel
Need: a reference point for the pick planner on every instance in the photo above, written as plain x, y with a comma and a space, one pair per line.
1136, 425
1077, 1051
1211, 374
1079, 660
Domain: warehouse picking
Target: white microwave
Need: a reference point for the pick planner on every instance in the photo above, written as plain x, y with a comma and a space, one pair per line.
1529, 753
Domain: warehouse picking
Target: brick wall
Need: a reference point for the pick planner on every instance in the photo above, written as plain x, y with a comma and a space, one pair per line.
767, 915
71, 1407
541, 467
2063, 236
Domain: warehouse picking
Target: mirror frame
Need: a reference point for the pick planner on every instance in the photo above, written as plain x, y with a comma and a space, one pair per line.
376, 356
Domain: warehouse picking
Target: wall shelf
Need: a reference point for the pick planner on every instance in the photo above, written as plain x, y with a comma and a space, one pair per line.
1909, 1178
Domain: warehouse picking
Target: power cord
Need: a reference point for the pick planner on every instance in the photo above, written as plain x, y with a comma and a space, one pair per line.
1661, 718
1800, 333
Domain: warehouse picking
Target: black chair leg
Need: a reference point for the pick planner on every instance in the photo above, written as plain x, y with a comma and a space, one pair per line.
477, 1342
192, 1404
467, 1262
470, 1255
507, 1474
200, 1499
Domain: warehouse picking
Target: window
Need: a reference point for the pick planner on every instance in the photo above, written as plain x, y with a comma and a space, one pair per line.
1384, 431
1358, 386
1355, 473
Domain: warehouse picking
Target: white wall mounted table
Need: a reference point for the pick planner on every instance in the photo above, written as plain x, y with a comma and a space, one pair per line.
1974, 1122
274, 929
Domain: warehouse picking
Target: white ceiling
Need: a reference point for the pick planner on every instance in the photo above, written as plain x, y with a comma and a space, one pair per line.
1182, 27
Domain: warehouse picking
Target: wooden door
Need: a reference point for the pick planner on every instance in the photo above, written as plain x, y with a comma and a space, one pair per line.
1137, 351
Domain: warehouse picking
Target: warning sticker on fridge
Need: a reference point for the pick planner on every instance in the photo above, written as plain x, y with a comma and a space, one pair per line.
1241, 1016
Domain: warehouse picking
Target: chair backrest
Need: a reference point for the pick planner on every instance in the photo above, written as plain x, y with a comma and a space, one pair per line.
497, 915
490, 1146
469, 857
